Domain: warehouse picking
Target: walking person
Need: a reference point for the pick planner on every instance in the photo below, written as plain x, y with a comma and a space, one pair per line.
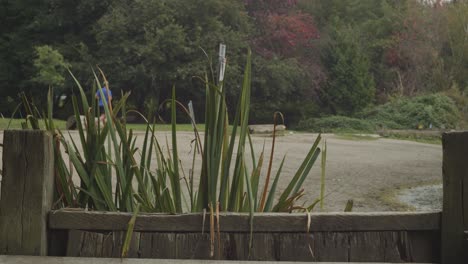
108, 97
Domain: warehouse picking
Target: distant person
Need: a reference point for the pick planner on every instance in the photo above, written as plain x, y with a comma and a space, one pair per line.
108, 97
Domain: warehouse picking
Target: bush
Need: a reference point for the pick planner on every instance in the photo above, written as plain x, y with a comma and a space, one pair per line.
411, 113
403, 113
335, 124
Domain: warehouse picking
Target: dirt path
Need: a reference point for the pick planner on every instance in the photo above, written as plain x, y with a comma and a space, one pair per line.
362, 170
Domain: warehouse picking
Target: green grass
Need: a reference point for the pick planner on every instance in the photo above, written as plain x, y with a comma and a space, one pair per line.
421, 139
166, 127
355, 137
427, 139
7, 123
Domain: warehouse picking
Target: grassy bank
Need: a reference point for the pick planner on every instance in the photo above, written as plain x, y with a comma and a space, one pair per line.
7, 123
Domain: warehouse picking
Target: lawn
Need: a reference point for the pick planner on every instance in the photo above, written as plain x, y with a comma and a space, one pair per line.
167, 127
7, 123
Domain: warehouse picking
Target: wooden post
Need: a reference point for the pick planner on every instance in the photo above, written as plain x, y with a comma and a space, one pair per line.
455, 203
27, 192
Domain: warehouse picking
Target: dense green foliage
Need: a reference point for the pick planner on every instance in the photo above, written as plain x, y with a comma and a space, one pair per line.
417, 112
436, 110
350, 85
336, 124
306, 62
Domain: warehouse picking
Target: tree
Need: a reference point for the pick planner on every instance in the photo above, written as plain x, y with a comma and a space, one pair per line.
148, 53
350, 85
288, 72
455, 52
25, 25
50, 67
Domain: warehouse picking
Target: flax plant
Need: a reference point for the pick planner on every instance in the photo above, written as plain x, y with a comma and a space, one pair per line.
236, 188
117, 175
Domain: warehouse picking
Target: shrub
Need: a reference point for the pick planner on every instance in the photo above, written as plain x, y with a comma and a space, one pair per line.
409, 113
403, 113
335, 124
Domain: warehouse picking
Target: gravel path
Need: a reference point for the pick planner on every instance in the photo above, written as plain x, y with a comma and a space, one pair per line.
362, 170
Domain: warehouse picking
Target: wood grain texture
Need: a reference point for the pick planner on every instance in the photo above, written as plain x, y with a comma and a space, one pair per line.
107, 244
425, 246
361, 241
74, 260
455, 197
331, 246
395, 246
134, 250
233, 222
193, 246
27, 190
386, 246
365, 246
145, 244
74, 243
90, 244
163, 245
297, 247
118, 238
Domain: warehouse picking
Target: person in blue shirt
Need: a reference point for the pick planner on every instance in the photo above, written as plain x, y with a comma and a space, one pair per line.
108, 97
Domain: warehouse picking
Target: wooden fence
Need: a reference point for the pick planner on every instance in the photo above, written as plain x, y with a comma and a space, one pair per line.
380, 237
390, 237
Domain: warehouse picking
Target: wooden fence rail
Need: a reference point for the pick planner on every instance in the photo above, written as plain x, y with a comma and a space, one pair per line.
385, 237
26, 195
239, 222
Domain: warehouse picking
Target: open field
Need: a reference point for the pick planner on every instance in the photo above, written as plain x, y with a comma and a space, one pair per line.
366, 171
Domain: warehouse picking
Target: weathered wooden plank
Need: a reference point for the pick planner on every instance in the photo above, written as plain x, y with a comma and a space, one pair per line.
107, 244
385, 246
396, 247
224, 248
236, 222
455, 203
296, 247
99, 245
74, 243
90, 244
27, 190
163, 245
198, 246
425, 246
388, 246
365, 246
134, 250
193, 246
145, 244
331, 246
70, 260
118, 240
265, 246
238, 246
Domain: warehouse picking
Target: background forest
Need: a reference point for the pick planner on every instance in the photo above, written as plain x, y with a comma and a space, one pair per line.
324, 64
